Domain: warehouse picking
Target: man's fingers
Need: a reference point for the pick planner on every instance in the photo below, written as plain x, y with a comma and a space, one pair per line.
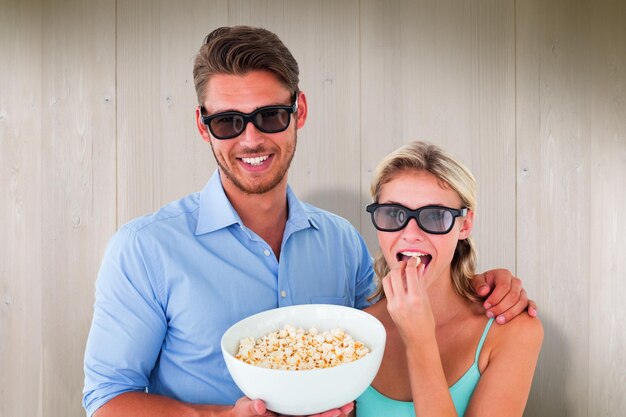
479, 282
245, 407
504, 316
337, 412
511, 299
342, 411
346, 409
330, 413
257, 408
506, 292
532, 308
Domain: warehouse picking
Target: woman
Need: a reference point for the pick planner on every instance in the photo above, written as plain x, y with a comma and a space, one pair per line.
443, 357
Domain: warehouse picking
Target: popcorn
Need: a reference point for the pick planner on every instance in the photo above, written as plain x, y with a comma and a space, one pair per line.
296, 349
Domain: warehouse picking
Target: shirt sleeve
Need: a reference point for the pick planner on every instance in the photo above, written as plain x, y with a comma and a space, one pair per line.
128, 326
365, 284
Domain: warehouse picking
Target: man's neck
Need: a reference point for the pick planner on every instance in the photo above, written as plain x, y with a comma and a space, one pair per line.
265, 214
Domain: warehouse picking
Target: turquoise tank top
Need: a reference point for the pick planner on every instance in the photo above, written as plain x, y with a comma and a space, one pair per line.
374, 404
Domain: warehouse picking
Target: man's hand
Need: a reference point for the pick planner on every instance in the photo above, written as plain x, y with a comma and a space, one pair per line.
337, 412
507, 299
245, 407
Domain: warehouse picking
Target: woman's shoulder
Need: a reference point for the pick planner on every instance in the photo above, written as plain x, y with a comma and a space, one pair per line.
378, 309
523, 325
522, 332
519, 340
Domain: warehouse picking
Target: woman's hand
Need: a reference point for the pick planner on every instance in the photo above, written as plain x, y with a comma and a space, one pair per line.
407, 300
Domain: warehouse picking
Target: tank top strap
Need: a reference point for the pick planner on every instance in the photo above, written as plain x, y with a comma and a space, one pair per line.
482, 339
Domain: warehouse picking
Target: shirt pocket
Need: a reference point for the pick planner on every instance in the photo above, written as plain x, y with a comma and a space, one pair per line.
339, 301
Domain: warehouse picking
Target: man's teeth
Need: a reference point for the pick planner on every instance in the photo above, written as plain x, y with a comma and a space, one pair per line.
255, 161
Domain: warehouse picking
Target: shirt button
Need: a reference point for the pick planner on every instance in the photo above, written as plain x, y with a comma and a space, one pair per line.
266, 252
283, 293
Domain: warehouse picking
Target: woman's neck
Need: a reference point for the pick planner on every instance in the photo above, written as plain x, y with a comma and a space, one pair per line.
446, 303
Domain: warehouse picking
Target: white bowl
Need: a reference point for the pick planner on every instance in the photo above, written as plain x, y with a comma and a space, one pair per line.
308, 391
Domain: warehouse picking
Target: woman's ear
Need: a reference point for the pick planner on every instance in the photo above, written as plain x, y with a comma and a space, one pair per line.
466, 225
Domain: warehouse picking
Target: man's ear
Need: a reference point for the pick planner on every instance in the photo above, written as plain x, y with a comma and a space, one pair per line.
202, 128
302, 110
467, 225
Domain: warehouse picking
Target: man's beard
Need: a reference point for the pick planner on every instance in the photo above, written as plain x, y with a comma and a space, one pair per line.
262, 188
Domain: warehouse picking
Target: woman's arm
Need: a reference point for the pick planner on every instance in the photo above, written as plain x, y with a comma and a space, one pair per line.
429, 388
408, 304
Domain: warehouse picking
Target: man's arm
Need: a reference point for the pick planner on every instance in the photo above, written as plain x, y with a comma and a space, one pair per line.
126, 337
128, 326
365, 283
139, 404
505, 296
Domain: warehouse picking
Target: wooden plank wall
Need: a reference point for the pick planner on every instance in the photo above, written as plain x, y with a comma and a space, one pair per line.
571, 183
96, 128
412, 89
78, 208
607, 244
20, 209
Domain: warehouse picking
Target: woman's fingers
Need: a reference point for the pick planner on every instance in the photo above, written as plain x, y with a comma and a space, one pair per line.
398, 279
411, 272
388, 288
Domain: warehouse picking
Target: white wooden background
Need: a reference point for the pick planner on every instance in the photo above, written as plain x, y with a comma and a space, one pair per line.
96, 127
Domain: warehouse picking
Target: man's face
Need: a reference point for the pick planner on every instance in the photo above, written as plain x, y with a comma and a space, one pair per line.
253, 162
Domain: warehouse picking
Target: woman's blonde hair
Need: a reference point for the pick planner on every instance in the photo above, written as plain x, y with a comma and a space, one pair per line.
451, 174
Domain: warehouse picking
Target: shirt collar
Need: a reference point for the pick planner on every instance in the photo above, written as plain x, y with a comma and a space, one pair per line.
298, 217
216, 212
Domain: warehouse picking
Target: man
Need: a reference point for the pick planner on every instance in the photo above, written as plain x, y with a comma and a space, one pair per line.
172, 282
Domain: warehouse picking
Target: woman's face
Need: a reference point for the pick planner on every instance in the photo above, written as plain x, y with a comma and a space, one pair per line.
415, 189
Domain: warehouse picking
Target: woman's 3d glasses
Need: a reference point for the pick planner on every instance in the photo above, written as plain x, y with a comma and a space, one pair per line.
436, 220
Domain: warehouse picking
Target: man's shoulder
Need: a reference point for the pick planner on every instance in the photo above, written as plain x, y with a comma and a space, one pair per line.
325, 217
180, 211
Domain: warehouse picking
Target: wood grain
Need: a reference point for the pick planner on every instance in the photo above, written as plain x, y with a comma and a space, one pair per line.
96, 128
443, 72
78, 193
607, 263
160, 154
323, 36
20, 208
553, 206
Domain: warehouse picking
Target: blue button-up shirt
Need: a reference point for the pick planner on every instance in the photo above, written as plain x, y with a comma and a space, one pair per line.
171, 283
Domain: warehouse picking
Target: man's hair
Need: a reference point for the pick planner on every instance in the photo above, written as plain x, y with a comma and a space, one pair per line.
451, 174
237, 50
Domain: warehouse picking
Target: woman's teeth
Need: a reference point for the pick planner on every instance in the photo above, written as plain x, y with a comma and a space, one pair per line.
412, 254
255, 161
421, 257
